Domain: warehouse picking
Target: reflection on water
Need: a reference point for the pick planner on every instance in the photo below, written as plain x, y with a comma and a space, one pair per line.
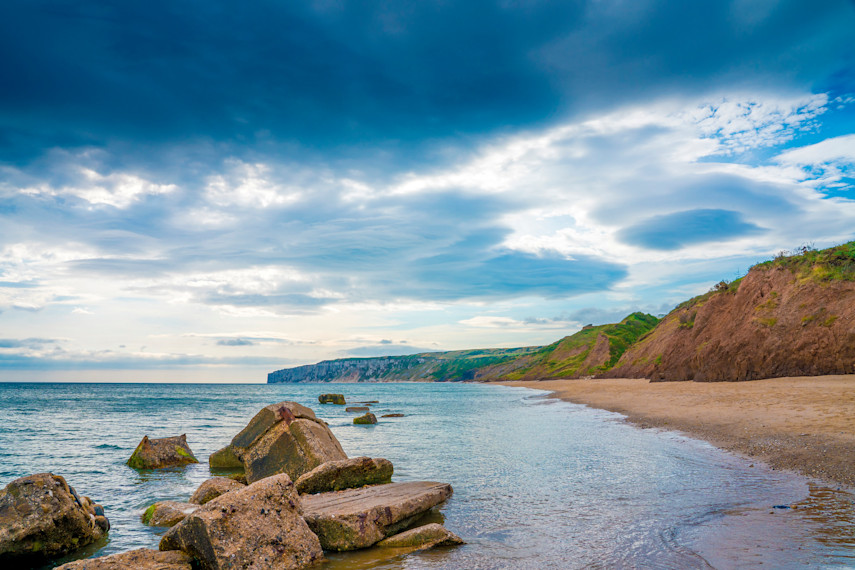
538, 483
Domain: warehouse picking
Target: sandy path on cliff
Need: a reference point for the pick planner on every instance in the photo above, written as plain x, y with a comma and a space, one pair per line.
805, 424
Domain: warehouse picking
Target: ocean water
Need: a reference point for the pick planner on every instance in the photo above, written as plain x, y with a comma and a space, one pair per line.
539, 483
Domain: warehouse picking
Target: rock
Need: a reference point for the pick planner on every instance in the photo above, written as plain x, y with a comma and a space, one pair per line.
257, 527
163, 452
266, 419
140, 559
345, 474
392, 416
427, 536
357, 409
225, 458
167, 513
368, 402
41, 517
358, 518
331, 399
213, 488
368, 418
294, 448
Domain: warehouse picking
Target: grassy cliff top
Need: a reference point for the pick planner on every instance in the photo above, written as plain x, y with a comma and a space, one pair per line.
831, 264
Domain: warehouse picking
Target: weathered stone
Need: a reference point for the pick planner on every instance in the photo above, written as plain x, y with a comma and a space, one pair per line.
358, 518
257, 527
293, 448
368, 402
392, 416
367, 419
167, 513
213, 488
331, 399
357, 409
426, 536
41, 517
140, 559
266, 419
225, 458
345, 474
163, 452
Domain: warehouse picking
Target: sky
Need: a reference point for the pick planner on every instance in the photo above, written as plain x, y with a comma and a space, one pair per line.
210, 191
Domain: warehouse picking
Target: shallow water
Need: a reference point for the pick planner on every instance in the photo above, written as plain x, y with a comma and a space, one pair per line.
538, 483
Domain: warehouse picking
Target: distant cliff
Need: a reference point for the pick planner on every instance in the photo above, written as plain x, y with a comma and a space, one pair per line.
588, 352
791, 316
451, 366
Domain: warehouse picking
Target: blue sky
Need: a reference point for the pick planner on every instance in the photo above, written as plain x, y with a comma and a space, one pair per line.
197, 191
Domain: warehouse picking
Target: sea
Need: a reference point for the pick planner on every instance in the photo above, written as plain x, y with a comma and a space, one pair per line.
538, 482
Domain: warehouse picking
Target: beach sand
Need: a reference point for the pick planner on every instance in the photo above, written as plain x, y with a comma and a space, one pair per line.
803, 424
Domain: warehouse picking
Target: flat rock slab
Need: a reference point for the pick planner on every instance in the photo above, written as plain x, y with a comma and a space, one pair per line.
139, 559
422, 537
358, 518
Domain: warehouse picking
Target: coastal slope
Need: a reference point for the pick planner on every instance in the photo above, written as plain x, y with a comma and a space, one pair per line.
791, 316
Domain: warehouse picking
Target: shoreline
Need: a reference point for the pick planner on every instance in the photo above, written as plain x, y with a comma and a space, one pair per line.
803, 424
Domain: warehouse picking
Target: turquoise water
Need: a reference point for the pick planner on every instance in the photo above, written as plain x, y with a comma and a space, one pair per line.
538, 483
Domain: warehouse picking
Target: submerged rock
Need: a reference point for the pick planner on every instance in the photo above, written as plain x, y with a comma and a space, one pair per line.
392, 416
426, 536
163, 452
213, 488
167, 513
331, 399
367, 419
345, 474
358, 518
357, 409
256, 527
42, 517
283, 438
140, 559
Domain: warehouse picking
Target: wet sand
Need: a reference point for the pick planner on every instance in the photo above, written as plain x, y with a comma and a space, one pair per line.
803, 424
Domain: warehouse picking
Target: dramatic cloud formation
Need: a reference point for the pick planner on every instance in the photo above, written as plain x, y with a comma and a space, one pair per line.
194, 192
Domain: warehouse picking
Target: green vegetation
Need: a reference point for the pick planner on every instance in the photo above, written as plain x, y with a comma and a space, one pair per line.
832, 264
624, 334
149, 512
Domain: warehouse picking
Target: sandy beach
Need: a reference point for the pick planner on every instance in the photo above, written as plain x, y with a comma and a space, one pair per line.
804, 424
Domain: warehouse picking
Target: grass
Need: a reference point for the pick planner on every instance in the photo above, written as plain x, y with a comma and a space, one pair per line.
822, 265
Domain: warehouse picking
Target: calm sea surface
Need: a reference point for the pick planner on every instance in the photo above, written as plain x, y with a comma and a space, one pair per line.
538, 483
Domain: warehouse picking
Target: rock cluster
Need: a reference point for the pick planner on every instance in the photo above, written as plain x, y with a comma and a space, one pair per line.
163, 452
331, 399
281, 438
42, 517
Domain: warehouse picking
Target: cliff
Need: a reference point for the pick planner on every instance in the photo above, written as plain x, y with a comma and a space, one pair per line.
792, 316
589, 351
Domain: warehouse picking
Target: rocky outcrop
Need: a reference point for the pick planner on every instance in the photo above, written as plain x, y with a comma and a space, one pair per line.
225, 458
256, 527
345, 474
367, 419
282, 438
422, 537
358, 518
167, 513
331, 399
42, 517
779, 320
163, 452
213, 488
140, 559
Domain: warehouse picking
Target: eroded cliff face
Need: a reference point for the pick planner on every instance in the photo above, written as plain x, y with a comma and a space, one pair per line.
777, 321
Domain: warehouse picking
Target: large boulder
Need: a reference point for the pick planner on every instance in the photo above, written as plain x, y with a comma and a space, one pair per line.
422, 537
225, 458
345, 474
167, 513
41, 517
213, 488
139, 559
163, 452
282, 438
332, 399
257, 527
358, 518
